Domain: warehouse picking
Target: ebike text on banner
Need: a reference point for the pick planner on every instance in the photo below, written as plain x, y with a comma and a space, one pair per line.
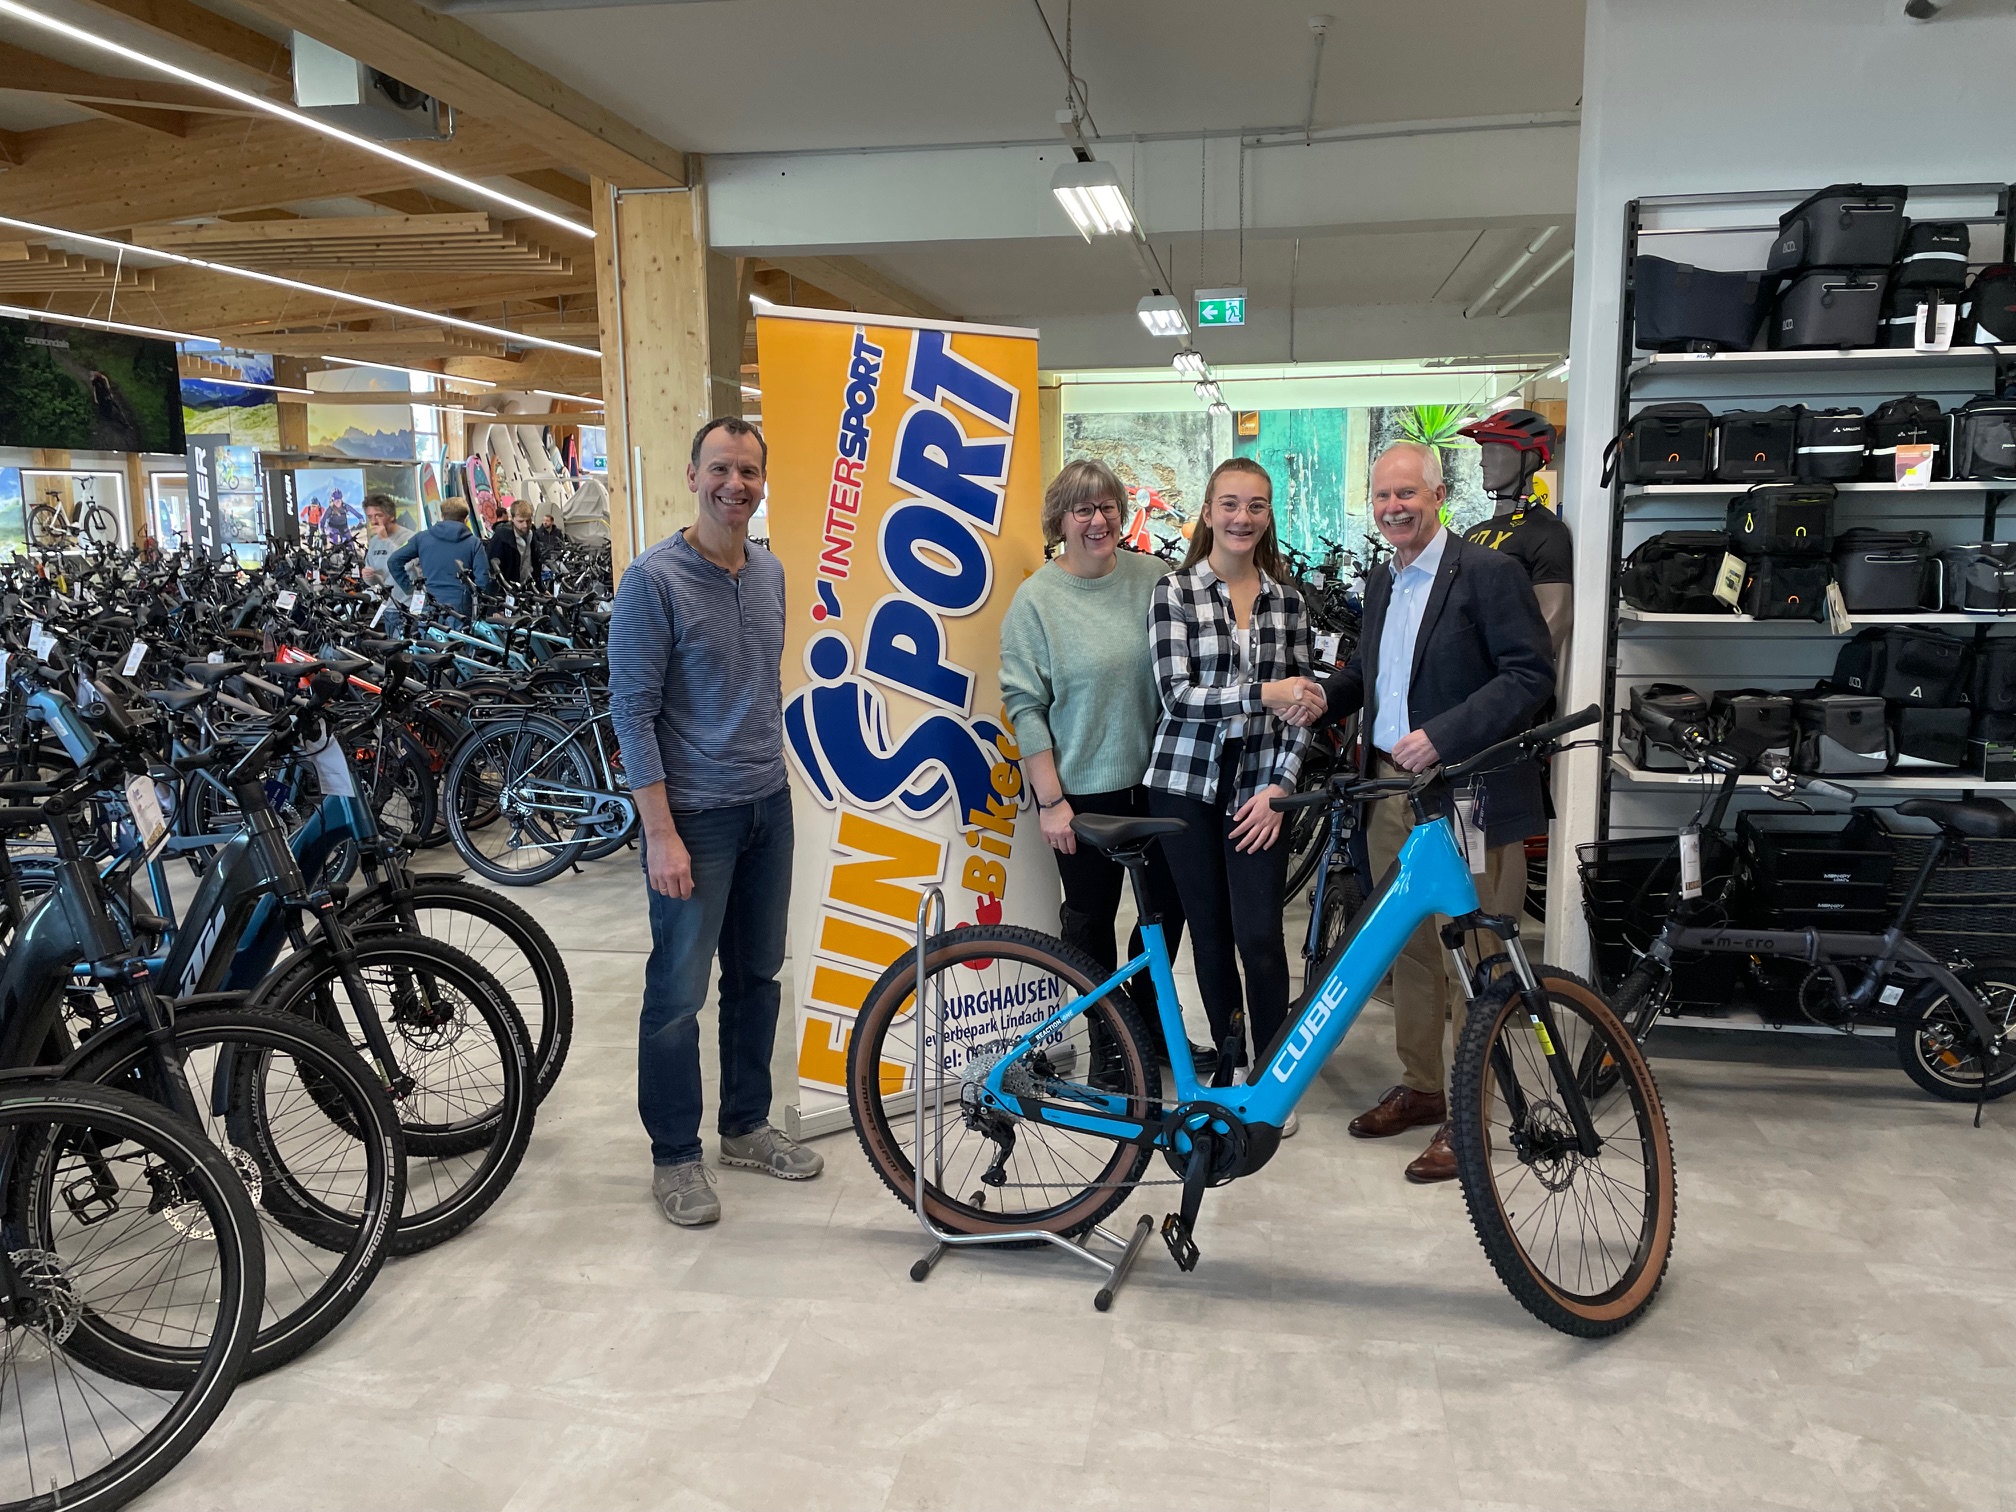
905, 502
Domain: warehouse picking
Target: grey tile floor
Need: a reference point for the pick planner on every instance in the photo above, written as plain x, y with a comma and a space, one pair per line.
1838, 1330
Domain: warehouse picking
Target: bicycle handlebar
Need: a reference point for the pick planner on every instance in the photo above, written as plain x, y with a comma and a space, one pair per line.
1531, 740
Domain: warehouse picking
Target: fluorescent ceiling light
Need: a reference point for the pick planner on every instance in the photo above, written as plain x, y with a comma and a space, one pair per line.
1220, 407
576, 398
1091, 195
752, 391
1160, 314
1559, 370
1190, 362
1207, 390
287, 113
22, 312
393, 367
128, 249
276, 388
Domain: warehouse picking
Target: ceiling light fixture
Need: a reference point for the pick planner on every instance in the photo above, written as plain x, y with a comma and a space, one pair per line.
273, 388
1162, 315
1092, 196
1219, 408
1559, 370
1190, 363
576, 398
23, 312
127, 249
287, 113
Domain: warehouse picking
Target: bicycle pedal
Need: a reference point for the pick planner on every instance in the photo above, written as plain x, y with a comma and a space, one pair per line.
1182, 1248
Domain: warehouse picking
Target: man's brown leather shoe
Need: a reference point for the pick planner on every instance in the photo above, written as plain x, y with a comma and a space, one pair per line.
1401, 1109
1437, 1162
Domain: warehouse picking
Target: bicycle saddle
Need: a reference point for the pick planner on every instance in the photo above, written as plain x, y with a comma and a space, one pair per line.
1977, 818
1112, 831
573, 661
177, 699
211, 673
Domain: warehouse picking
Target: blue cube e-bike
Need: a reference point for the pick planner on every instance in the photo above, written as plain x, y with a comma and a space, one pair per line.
1560, 1138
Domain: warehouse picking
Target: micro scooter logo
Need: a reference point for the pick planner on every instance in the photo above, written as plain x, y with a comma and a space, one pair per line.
932, 550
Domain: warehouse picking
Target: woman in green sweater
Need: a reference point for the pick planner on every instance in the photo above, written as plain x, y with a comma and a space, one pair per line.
1078, 686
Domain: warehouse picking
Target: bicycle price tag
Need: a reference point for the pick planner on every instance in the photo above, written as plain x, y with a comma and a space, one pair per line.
379, 618
332, 771
216, 658
1690, 862
1474, 848
143, 802
1326, 647
135, 654
1318, 580
315, 577
5, 657
1891, 996
286, 600
419, 600
510, 602
40, 641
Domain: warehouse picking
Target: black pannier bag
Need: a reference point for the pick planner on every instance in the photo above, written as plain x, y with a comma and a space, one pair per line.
1839, 734
1899, 326
1910, 420
1756, 446
1829, 307
1675, 573
1931, 737
1988, 310
1830, 445
1783, 519
1983, 439
1649, 730
1786, 587
1662, 443
1933, 256
1885, 571
1979, 576
1843, 226
1903, 664
1765, 716
1994, 692
1681, 308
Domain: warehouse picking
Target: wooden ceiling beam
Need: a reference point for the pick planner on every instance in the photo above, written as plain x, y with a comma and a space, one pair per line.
173, 123
97, 176
454, 62
563, 187
855, 284
34, 73
12, 149
186, 22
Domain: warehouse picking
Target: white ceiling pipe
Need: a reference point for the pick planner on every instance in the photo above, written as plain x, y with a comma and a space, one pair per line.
1472, 310
1520, 298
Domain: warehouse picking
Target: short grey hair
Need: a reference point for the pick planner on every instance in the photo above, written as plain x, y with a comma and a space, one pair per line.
1431, 459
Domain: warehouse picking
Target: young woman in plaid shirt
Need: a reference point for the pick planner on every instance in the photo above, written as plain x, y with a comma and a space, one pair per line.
1232, 661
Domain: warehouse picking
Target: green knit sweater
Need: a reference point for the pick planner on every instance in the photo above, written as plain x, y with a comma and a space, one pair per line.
1076, 675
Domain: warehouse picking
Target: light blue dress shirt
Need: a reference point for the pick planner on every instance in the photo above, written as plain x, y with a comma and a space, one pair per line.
1397, 636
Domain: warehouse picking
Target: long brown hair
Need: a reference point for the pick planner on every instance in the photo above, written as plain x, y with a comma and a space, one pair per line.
1267, 554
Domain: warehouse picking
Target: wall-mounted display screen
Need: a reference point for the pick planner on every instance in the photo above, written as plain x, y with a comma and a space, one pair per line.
71, 388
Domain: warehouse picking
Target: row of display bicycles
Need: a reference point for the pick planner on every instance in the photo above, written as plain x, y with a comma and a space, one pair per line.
247, 1051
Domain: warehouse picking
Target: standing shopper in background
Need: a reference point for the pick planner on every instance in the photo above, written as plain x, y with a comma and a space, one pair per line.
510, 548
1453, 657
1232, 652
1078, 685
441, 549
387, 535
696, 647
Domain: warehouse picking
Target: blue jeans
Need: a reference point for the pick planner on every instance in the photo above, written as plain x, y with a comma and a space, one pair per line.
741, 894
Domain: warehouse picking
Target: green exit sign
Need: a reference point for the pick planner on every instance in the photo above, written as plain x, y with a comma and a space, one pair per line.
1221, 307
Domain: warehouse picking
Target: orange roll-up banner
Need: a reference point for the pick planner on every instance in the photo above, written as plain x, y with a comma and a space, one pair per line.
905, 503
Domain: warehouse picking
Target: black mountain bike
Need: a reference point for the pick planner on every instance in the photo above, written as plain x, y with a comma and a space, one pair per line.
1955, 1019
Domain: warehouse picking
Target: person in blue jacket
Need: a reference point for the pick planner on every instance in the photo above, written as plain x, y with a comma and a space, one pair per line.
439, 550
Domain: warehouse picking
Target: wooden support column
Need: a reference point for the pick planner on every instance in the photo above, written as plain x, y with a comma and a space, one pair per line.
1050, 425
291, 372
136, 498
653, 285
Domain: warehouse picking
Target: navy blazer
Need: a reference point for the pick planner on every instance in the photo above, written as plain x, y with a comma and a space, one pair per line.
1483, 667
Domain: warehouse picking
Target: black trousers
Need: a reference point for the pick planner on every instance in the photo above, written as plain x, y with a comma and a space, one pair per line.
1233, 904
1092, 888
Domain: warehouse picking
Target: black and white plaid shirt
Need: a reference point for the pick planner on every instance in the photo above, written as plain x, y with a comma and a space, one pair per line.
1197, 673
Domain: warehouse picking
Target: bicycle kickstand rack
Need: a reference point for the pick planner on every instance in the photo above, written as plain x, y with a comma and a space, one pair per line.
1129, 1248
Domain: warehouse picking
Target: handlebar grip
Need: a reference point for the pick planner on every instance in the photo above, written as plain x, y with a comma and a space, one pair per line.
1298, 801
1824, 789
1555, 729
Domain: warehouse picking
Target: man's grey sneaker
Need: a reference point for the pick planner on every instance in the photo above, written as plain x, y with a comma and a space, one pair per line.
685, 1194
772, 1152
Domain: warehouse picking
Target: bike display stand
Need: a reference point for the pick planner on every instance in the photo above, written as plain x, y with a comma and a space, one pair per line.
1116, 1268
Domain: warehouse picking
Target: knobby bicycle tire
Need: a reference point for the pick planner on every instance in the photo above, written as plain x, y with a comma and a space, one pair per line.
438, 996
1123, 1047
118, 1125
349, 1118
1501, 1196
489, 765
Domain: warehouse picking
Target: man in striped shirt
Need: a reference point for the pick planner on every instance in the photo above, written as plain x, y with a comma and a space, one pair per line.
696, 691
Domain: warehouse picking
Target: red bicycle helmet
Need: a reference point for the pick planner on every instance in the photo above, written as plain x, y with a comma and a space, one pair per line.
1518, 428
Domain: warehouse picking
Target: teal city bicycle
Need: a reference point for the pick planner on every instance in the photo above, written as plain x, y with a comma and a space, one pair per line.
1035, 1104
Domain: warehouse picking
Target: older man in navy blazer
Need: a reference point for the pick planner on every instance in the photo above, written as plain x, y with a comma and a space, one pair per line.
1453, 657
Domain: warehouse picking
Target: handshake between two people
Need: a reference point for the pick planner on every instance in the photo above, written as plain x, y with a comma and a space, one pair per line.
1301, 701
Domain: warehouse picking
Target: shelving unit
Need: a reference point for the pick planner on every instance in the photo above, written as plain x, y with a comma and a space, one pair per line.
1716, 651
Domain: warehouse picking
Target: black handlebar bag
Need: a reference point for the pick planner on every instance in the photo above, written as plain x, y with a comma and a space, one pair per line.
1979, 577
1933, 256
1910, 420
1662, 443
1885, 571
1842, 226
1931, 737
1786, 587
1783, 519
1831, 444
1839, 734
1757, 446
1830, 307
1681, 308
1675, 573
1903, 664
1758, 713
1650, 731
1984, 439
